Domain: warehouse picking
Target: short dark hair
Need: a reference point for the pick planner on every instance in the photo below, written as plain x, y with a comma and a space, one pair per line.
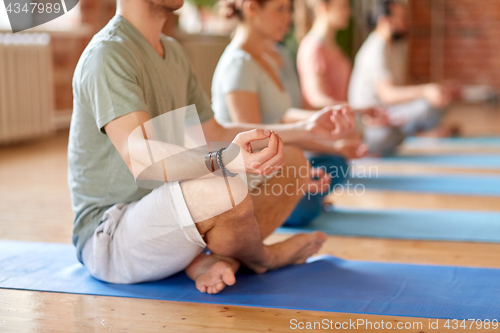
380, 9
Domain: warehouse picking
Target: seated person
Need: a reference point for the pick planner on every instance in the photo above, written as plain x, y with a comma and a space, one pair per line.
129, 76
414, 109
256, 82
325, 70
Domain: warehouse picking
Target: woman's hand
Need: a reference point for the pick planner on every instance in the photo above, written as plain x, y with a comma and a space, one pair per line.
264, 162
331, 123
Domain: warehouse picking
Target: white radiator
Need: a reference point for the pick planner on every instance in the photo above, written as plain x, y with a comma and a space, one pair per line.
26, 87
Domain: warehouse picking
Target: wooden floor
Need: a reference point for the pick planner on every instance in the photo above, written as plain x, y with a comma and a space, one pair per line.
35, 206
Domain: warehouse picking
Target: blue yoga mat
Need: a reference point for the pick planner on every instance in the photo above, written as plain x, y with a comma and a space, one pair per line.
470, 185
477, 161
408, 224
419, 142
324, 284
467, 161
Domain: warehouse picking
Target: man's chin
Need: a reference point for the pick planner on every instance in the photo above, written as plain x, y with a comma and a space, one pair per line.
167, 5
176, 6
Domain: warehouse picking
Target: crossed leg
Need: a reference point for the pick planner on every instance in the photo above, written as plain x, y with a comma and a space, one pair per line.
236, 234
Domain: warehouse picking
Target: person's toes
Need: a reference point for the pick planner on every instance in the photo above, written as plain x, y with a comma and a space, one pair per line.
228, 276
201, 287
216, 288
320, 237
216, 279
219, 286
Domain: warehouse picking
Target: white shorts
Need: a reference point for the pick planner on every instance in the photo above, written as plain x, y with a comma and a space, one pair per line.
144, 240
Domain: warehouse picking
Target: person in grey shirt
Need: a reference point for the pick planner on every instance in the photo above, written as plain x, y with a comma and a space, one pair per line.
413, 109
129, 77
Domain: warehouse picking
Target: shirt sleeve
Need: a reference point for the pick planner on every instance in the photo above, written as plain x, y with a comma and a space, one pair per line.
239, 75
380, 68
110, 82
314, 60
312, 66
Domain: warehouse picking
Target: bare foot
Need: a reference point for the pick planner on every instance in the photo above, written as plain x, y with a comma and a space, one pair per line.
294, 250
212, 273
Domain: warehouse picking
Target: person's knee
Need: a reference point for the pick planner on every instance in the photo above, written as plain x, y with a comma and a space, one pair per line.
429, 114
308, 209
424, 118
334, 165
339, 170
383, 141
242, 213
228, 227
433, 118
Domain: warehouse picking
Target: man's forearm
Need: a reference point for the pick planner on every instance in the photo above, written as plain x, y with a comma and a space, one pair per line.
165, 162
155, 161
390, 94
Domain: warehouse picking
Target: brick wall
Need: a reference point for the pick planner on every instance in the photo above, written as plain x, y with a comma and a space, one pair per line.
66, 51
455, 40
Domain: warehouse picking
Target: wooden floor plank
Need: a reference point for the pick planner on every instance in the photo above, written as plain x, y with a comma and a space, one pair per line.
83, 313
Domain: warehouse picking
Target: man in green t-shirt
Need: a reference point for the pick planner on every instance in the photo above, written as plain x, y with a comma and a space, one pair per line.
129, 75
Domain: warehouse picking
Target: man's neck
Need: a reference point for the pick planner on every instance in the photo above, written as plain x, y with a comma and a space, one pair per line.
148, 22
383, 33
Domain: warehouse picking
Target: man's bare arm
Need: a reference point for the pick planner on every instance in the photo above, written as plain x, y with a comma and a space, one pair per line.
154, 160
391, 94
136, 150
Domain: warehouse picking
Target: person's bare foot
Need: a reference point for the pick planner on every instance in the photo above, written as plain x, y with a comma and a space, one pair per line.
294, 250
212, 273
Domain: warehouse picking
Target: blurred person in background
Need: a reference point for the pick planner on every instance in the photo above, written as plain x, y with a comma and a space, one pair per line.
325, 70
415, 109
256, 82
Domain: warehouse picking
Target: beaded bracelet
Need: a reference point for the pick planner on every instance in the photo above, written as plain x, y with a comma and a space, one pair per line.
222, 166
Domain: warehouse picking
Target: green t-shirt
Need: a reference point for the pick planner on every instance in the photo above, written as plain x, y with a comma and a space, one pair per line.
120, 72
